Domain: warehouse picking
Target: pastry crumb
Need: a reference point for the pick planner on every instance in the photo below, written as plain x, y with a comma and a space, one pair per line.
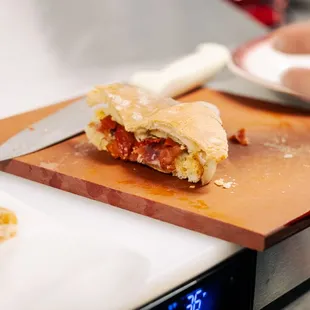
288, 156
192, 186
240, 137
49, 165
226, 185
219, 182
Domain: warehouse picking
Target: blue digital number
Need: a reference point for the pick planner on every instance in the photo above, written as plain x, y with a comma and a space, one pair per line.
172, 306
195, 300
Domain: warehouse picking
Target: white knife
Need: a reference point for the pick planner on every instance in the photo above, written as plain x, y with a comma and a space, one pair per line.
177, 78
186, 73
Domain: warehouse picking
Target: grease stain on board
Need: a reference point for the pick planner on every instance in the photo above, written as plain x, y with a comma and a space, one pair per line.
201, 205
160, 191
166, 192
198, 204
92, 171
155, 191
127, 182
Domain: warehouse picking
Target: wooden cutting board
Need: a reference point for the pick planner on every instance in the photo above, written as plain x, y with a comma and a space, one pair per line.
269, 199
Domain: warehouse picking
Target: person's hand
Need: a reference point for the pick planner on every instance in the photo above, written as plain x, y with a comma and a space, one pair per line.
295, 39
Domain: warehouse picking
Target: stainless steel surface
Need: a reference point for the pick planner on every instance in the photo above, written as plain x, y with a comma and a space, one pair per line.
237, 86
57, 127
281, 268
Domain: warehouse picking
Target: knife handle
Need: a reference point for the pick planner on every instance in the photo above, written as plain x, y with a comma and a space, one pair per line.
185, 73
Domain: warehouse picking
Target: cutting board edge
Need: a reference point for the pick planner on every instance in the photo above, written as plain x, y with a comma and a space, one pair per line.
135, 204
286, 231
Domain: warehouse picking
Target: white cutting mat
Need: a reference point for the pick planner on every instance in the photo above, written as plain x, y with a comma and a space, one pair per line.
55, 268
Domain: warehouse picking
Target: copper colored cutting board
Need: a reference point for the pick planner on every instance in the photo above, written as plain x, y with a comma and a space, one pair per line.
268, 202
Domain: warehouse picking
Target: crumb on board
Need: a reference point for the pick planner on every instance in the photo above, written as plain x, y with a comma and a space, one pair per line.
280, 144
228, 184
223, 184
219, 182
80, 145
240, 137
49, 165
192, 186
288, 155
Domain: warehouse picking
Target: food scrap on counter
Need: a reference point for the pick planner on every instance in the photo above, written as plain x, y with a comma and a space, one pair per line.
8, 224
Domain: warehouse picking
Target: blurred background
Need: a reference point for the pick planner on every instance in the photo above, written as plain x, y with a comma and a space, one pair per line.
56, 49
274, 13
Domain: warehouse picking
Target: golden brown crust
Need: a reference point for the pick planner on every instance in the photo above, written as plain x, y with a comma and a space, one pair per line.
194, 125
128, 105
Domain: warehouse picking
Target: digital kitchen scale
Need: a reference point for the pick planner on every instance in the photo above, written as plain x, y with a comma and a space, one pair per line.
230, 285
247, 280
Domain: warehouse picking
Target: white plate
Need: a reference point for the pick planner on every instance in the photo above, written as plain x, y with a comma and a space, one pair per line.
258, 62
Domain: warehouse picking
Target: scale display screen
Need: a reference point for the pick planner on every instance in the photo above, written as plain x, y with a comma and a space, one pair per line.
199, 299
230, 285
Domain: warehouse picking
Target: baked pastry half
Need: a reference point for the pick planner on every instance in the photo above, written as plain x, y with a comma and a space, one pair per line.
8, 224
186, 140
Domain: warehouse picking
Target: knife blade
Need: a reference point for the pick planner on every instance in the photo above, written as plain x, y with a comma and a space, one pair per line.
180, 76
61, 125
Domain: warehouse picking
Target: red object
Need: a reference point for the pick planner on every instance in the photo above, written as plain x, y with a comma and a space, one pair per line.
125, 141
270, 14
161, 152
107, 124
264, 14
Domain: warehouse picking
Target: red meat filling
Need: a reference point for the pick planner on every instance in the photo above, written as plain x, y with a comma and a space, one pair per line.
156, 152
